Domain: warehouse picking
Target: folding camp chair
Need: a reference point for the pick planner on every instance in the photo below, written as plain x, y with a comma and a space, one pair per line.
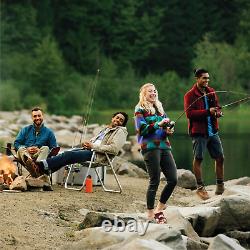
92, 164
12, 152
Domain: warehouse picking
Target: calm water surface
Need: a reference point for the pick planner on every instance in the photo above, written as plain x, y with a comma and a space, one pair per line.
236, 151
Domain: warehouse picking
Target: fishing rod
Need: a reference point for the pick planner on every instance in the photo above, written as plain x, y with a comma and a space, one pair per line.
85, 119
236, 102
89, 107
171, 124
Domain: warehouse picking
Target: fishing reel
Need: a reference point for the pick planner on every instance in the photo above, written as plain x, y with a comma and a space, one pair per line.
218, 112
168, 124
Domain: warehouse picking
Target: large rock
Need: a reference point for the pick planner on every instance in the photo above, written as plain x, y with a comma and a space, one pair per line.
117, 238
240, 181
193, 244
242, 237
186, 179
122, 167
178, 222
203, 219
141, 244
238, 189
234, 213
19, 184
222, 242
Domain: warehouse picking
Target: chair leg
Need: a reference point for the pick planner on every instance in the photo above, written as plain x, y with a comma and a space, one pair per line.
50, 178
116, 178
99, 178
67, 178
71, 167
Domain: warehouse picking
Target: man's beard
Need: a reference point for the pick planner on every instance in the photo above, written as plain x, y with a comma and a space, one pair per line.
38, 123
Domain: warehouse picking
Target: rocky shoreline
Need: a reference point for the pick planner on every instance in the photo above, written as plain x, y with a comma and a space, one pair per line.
71, 220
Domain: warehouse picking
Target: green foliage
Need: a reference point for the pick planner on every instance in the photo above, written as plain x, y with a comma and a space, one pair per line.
221, 60
19, 31
49, 73
9, 97
50, 51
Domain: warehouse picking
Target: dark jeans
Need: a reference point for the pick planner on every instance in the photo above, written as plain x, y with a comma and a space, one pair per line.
67, 158
158, 160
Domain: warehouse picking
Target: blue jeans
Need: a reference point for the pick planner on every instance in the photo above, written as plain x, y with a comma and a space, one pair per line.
67, 158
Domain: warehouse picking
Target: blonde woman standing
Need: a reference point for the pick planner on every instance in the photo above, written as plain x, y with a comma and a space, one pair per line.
152, 130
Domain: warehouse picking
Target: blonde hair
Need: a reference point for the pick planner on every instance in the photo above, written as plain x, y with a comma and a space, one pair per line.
143, 103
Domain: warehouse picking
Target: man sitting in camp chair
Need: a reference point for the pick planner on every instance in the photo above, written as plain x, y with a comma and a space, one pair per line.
35, 141
109, 140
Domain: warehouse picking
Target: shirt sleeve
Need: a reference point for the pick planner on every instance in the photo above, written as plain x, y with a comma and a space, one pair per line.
20, 139
52, 140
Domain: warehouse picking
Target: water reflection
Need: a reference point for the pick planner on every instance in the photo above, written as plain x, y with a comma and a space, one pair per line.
236, 150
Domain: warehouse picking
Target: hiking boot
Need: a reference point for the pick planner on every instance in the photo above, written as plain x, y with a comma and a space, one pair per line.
33, 168
219, 189
202, 193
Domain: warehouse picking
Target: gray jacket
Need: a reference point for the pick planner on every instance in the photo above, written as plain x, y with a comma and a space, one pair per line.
112, 143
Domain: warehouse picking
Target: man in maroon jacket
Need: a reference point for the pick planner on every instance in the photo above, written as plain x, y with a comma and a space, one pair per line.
202, 111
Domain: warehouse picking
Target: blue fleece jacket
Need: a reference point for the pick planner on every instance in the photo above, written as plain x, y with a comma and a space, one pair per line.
28, 137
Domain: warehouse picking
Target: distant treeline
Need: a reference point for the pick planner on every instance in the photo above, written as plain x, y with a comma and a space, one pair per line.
51, 50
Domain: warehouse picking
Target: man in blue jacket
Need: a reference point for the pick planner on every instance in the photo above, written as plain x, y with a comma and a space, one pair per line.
34, 141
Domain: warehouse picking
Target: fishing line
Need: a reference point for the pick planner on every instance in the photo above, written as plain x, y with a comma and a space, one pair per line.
247, 99
89, 107
172, 123
86, 115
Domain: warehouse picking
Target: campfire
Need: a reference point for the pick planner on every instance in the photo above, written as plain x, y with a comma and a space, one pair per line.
10, 182
7, 172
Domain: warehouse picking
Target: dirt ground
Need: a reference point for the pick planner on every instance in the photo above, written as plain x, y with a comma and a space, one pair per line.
47, 220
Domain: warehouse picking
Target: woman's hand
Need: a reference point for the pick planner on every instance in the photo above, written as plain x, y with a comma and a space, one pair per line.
169, 131
164, 122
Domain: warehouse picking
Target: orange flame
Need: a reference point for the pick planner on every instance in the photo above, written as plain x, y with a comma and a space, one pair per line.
9, 179
7, 166
1, 179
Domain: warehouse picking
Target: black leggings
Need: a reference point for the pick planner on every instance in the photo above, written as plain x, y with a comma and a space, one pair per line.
158, 160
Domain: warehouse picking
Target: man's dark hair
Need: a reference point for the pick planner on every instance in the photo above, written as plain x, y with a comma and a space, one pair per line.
36, 109
125, 116
199, 72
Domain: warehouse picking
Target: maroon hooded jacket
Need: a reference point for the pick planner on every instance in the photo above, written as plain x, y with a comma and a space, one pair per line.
197, 113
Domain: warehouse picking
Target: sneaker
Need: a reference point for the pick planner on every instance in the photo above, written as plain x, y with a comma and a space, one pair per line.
202, 193
33, 168
219, 189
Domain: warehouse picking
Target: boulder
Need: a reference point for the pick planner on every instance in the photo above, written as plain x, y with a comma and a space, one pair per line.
178, 222
118, 238
192, 244
19, 184
203, 219
242, 237
186, 179
240, 181
141, 244
223, 242
234, 213
122, 167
